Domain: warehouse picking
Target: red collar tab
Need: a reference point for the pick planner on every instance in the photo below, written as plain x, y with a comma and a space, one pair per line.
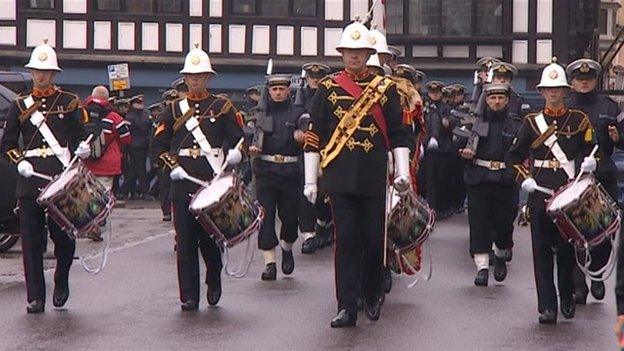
39, 93
365, 73
558, 113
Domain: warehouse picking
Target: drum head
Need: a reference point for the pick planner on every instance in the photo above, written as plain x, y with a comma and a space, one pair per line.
60, 184
213, 193
570, 194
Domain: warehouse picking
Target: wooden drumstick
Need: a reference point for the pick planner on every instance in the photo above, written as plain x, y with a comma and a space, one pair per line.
196, 180
578, 177
224, 165
42, 176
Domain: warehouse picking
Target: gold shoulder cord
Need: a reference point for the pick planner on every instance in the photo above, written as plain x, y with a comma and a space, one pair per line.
353, 118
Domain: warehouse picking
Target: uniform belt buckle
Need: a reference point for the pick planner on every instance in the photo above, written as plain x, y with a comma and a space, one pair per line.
554, 164
279, 158
195, 152
495, 165
43, 152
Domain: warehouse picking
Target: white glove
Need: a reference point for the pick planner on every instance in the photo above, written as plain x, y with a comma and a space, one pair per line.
310, 191
311, 161
178, 173
433, 144
529, 185
84, 150
401, 166
588, 165
234, 157
25, 169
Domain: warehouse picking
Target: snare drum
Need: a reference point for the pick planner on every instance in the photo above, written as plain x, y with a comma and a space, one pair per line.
584, 213
410, 223
227, 211
76, 201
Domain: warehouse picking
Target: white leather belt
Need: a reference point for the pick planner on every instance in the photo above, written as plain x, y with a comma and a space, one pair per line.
550, 164
279, 158
197, 152
43, 152
491, 165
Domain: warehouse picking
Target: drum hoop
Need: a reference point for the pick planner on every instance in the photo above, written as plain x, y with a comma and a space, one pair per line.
217, 235
82, 170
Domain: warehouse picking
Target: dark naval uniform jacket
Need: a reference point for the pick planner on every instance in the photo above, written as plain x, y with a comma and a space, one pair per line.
64, 117
360, 168
220, 123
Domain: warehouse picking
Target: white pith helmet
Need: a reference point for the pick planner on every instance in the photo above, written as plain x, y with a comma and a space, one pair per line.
43, 57
197, 61
553, 76
356, 36
379, 41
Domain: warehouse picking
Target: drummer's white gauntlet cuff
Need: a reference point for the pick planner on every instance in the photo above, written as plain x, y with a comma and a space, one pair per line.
84, 150
401, 166
311, 161
529, 185
25, 169
178, 173
589, 164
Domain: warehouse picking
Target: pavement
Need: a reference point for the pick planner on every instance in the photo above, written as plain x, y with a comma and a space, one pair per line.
134, 305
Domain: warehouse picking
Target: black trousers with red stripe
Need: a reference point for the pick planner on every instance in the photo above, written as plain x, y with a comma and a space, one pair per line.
359, 223
33, 234
192, 237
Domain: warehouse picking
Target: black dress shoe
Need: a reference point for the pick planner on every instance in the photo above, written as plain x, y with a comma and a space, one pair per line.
189, 305
214, 294
482, 277
167, 218
270, 272
598, 290
61, 294
491, 258
343, 319
372, 309
387, 280
548, 317
580, 295
508, 255
568, 308
36, 306
309, 245
288, 262
359, 303
500, 269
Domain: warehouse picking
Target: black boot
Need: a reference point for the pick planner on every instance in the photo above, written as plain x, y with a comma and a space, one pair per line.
167, 217
500, 269
387, 280
213, 295
568, 308
598, 290
372, 309
36, 306
482, 277
547, 317
270, 272
343, 319
61, 294
189, 305
580, 295
508, 255
288, 262
359, 303
309, 245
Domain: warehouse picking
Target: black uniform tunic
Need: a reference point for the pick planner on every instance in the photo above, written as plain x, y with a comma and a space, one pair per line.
575, 137
356, 183
222, 127
64, 117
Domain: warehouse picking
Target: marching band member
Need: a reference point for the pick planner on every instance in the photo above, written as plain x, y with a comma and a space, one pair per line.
49, 120
604, 116
277, 172
492, 192
555, 141
355, 120
189, 140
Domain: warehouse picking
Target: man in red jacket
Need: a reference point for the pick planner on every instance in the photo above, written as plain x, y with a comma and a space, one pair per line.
110, 133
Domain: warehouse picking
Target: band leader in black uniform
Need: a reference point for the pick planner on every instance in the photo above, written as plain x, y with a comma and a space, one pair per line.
354, 140
183, 153
278, 175
49, 120
603, 114
550, 169
491, 189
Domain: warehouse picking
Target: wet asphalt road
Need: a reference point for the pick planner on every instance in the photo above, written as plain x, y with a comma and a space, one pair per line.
133, 305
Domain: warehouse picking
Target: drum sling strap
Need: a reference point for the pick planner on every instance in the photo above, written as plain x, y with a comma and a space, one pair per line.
551, 142
351, 120
213, 156
38, 120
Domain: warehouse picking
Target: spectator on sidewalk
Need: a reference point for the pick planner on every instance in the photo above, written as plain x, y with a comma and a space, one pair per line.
140, 129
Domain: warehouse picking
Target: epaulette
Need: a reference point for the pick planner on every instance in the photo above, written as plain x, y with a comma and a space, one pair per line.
530, 118
75, 100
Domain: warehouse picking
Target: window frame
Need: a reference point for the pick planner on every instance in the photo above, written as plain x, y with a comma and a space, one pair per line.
123, 8
257, 11
52, 7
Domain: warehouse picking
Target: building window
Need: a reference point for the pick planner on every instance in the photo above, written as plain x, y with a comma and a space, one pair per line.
394, 15
492, 12
169, 6
304, 8
108, 5
139, 6
274, 8
424, 17
456, 18
41, 4
602, 22
244, 7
